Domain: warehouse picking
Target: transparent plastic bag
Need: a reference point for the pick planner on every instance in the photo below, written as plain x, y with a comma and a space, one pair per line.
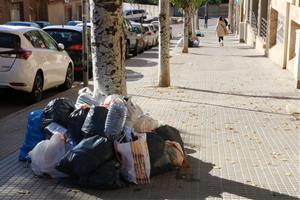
115, 120
46, 155
145, 124
134, 112
86, 96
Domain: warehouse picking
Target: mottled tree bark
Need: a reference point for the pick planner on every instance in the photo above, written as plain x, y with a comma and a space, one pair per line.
164, 40
108, 47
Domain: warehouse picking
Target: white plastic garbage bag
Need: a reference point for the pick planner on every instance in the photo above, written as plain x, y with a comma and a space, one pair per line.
85, 96
134, 111
46, 155
145, 124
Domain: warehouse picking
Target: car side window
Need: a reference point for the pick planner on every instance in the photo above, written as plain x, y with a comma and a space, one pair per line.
35, 38
50, 43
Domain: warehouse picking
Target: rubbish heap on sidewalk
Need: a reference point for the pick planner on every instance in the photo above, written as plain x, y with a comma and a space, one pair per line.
103, 142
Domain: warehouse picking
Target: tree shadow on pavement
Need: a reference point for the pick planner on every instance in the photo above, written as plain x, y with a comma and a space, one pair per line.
139, 62
212, 104
239, 94
133, 75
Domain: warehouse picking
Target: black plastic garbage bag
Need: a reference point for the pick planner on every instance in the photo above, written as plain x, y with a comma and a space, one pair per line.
75, 122
107, 176
170, 133
57, 110
159, 159
87, 156
94, 123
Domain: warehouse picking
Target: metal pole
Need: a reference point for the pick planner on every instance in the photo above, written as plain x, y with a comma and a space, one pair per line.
85, 44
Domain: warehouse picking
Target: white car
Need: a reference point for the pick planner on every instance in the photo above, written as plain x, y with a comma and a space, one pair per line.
31, 61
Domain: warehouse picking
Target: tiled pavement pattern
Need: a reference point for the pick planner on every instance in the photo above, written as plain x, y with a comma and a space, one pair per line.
235, 110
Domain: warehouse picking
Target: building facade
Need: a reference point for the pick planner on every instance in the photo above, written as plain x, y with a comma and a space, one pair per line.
23, 10
61, 11
271, 27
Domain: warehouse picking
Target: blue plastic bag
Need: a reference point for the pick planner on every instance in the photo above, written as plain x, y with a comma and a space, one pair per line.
34, 134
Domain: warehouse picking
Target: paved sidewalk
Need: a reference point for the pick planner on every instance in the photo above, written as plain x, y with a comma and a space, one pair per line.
235, 109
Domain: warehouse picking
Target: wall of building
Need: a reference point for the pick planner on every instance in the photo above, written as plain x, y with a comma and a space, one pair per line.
294, 24
23, 10
56, 13
278, 32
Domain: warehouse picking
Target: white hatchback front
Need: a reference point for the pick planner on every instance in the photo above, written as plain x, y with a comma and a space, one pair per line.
31, 61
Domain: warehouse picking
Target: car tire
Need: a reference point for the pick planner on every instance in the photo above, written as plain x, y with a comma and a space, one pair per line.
69, 79
136, 50
36, 94
127, 50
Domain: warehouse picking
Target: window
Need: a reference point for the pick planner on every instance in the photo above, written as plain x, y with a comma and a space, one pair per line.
10, 41
66, 37
35, 38
135, 12
49, 41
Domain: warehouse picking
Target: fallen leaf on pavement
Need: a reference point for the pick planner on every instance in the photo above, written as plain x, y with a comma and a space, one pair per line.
23, 192
288, 174
74, 190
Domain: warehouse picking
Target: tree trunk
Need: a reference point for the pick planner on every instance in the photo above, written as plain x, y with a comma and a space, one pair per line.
108, 47
197, 20
164, 39
186, 33
190, 24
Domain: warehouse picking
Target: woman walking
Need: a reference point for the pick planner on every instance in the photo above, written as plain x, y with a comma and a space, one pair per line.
221, 30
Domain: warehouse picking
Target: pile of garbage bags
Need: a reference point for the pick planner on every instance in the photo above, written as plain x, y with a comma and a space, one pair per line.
100, 142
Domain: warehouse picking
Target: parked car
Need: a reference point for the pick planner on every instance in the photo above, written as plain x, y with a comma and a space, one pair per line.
131, 39
135, 14
42, 24
32, 61
71, 38
149, 30
74, 22
156, 25
141, 36
21, 23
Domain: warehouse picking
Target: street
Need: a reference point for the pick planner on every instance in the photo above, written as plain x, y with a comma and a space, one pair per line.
236, 112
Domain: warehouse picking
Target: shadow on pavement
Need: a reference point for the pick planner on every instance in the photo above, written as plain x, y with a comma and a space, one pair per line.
225, 55
238, 94
133, 75
140, 62
212, 104
195, 182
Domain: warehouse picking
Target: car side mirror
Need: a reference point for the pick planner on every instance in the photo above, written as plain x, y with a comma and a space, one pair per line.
61, 47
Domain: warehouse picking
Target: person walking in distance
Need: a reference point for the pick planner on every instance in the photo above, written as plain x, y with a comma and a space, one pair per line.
221, 30
205, 21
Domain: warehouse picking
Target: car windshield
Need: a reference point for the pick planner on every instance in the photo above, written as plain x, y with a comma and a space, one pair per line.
10, 41
146, 28
66, 37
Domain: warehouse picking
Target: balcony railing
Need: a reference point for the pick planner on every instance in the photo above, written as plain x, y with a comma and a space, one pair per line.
264, 28
254, 22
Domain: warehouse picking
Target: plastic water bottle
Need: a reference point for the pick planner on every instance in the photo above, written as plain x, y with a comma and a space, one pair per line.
115, 119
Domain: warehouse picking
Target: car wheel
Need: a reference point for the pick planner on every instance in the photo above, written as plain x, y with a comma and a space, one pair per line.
37, 89
127, 50
136, 50
69, 79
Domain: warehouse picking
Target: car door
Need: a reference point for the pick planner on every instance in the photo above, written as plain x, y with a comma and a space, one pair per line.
41, 54
58, 60
131, 35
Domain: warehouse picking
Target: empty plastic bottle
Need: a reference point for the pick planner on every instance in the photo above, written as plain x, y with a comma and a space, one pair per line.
115, 120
